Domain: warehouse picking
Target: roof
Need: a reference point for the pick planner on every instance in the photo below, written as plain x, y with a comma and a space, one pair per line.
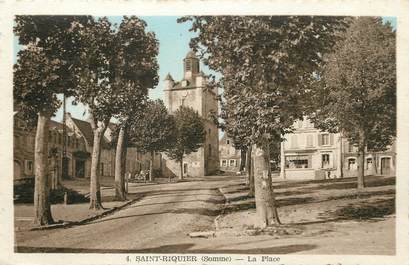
191, 54
86, 130
168, 77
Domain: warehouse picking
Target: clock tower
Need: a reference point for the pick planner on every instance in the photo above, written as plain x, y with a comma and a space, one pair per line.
193, 91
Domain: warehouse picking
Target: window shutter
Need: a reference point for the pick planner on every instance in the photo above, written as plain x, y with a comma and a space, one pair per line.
331, 138
319, 140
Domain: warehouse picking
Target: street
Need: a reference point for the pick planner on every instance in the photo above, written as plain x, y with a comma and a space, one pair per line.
161, 221
167, 213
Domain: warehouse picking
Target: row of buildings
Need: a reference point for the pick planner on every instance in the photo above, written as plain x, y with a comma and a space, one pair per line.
308, 153
79, 144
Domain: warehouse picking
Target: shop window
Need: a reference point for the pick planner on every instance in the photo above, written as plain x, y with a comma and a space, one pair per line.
232, 162
224, 163
297, 162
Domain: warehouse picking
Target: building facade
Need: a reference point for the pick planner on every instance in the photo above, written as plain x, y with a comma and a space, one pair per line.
24, 141
79, 144
230, 157
192, 91
309, 153
376, 163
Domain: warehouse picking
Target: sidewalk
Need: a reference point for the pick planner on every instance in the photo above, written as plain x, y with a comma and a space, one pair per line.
75, 213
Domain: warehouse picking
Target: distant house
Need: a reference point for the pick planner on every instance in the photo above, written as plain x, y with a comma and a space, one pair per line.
309, 153
376, 163
230, 157
79, 144
24, 140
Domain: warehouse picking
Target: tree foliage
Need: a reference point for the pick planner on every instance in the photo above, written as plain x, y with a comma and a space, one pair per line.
357, 89
155, 131
268, 60
189, 134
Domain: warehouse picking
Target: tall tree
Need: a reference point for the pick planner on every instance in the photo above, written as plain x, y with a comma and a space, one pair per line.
272, 57
190, 135
155, 132
134, 72
356, 92
42, 71
95, 76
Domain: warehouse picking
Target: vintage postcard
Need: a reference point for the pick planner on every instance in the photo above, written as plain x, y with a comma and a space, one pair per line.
204, 132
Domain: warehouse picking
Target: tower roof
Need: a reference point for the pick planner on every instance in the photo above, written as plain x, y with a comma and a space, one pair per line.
168, 77
191, 54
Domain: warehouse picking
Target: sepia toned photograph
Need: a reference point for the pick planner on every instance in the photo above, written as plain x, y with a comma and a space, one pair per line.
251, 135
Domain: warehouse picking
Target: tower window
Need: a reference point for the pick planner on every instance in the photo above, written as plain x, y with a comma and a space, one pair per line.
188, 65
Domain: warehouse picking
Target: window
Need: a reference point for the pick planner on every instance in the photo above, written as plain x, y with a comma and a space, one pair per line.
210, 149
188, 65
325, 139
309, 140
294, 141
352, 164
369, 163
224, 163
29, 166
232, 162
325, 161
297, 162
350, 148
228, 141
102, 169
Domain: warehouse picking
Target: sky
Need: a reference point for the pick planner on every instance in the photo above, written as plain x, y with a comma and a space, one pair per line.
173, 46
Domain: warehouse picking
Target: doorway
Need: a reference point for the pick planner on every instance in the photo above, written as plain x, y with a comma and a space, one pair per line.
184, 169
79, 168
385, 165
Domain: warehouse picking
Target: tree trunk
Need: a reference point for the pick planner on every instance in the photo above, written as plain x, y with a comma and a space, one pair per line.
265, 201
361, 160
42, 209
181, 169
151, 167
243, 156
250, 172
119, 166
361, 172
95, 189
